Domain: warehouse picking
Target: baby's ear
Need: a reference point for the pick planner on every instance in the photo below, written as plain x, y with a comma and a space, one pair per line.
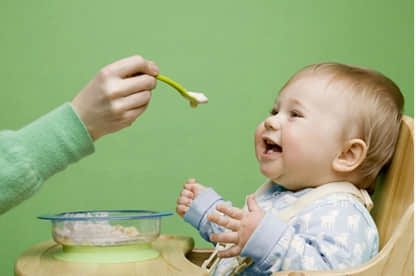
351, 156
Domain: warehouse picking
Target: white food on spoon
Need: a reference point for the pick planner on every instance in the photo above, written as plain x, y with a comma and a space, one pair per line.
200, 97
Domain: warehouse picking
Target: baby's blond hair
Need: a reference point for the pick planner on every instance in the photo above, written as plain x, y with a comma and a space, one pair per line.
376, 105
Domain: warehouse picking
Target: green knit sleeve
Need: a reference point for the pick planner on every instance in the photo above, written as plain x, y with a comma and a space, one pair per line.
34, 153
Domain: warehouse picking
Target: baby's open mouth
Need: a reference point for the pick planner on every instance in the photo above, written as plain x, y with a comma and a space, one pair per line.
271, 146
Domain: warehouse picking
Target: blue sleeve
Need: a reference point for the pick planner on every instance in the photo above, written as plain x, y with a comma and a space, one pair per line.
201, 206
329, 236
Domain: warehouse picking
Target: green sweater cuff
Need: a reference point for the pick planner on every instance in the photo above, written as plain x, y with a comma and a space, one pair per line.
55, 140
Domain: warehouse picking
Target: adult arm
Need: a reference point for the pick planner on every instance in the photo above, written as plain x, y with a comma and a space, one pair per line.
32, 154
111, 101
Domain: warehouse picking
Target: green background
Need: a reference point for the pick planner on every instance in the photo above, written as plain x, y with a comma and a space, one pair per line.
239, 53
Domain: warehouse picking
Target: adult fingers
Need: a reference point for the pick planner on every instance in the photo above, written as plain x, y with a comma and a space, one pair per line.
132, 66
224, 237
224, 221
230, 211
136, 84
131, 115
135, 100
231, 252
252, 203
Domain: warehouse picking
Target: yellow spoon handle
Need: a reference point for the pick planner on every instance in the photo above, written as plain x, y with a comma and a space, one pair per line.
178, 87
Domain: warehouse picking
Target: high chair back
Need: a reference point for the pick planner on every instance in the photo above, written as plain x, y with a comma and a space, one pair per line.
393, 214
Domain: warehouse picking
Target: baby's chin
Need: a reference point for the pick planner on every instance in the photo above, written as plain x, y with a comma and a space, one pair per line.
280, 178
272, 175
290, 186
267, 172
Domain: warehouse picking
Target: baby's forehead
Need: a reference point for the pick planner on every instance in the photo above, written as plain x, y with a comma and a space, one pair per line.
313, 92
311, 84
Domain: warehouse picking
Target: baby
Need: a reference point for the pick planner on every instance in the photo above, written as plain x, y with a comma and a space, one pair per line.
332, 129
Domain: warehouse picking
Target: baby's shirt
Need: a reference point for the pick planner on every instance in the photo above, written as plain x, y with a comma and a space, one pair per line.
334, 232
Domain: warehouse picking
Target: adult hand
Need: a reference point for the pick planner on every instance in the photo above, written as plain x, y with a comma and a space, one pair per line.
241, 223
116, 96
190, 191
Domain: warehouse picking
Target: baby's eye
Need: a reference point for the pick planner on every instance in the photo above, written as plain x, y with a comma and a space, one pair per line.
274, 111
295, 113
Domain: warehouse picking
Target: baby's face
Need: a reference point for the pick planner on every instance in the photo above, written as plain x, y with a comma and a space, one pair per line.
296, 144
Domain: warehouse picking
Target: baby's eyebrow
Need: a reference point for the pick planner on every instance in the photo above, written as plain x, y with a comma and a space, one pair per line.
276, 106
297, 102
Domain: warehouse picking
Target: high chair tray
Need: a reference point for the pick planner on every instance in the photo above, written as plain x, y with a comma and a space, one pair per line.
39, 261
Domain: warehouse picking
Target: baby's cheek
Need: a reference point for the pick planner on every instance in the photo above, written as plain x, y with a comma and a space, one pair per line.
297, 155
258, 139
258, 132
291, 147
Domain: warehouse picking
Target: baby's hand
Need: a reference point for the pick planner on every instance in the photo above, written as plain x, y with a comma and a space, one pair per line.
240, 222
191, 190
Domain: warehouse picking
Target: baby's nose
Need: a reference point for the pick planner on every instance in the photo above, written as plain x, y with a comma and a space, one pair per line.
272, 123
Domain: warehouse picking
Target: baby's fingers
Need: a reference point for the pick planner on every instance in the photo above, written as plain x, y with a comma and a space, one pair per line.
252, 203
191, 181
192, 186
224, 221
187, 193
181, 210
231, 252
231, 211
224, 237
196, 189
184, 201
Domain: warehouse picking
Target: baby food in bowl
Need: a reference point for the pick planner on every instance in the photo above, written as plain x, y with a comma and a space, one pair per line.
105, 228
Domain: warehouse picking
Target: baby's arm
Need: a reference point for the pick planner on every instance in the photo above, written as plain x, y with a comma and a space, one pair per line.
241, 223
326, 236
194, 203
191, 189
332, 235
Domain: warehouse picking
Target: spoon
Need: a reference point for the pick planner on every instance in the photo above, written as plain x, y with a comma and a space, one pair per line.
194, 98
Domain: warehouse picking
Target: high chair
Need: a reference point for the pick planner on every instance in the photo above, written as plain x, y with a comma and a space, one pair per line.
392, 212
